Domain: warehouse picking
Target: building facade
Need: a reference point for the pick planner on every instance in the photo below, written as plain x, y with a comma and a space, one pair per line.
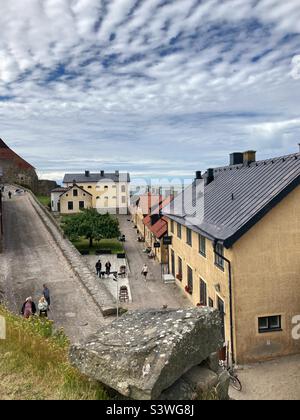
15, 170
109, 191
151, 226
71, 201
241, 254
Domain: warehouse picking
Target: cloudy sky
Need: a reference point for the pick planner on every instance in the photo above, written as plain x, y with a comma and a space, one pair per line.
155, 87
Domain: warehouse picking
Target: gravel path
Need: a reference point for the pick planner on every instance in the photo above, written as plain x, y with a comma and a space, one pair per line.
31, 258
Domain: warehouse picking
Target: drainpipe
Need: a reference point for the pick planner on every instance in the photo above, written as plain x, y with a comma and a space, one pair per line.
230, 299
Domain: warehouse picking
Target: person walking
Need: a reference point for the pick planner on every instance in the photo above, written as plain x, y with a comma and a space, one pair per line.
108, 268
46, 294
28, 308
98, 268
43, 307
145, 271
9, 195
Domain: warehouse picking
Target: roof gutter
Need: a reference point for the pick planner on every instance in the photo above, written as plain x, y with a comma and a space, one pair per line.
230, 298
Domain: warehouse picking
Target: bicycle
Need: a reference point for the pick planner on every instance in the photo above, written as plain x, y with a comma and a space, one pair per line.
233, 377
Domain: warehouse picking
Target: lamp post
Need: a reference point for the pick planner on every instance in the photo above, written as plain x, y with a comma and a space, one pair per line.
116, 279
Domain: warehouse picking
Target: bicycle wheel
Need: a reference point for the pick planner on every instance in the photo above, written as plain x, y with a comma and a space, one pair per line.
235, 383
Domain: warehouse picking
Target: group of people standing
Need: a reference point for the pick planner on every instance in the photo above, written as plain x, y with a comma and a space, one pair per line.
99, 268
29, 307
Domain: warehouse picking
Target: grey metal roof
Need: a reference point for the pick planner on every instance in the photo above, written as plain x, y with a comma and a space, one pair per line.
96, 177
237, 198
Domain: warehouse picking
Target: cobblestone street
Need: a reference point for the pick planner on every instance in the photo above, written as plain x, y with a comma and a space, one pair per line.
153, 293
32, 258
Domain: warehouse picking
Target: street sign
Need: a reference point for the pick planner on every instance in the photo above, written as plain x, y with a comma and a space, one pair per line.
167, 240
156, 245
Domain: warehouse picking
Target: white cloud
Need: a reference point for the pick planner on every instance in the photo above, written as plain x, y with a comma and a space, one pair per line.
147, 83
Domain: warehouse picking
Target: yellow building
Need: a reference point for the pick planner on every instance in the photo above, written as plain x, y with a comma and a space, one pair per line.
151, 225
110, 191
74, 199
236, 247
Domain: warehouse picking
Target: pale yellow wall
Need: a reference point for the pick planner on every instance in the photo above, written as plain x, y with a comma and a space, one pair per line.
266, 268
266, 280
68, 196
140, 222
161, 254
204, 268
116, 198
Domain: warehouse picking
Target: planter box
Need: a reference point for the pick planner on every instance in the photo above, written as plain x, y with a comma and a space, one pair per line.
121, 255
85, 252
103, 252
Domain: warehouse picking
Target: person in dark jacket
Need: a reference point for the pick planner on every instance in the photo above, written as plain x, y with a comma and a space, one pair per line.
46, 294
107, 268
28, 308
98, 268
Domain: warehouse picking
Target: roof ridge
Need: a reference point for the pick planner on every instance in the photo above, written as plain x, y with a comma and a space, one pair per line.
257, 162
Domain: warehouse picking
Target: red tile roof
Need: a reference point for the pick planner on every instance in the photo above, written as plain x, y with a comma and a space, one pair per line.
160, 227
7, 154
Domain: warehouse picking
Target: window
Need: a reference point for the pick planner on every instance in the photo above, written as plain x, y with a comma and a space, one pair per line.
179, 269
70, 205
172, 226
173, 263
97, 198
269, 324
179, 233
123, 199
81, 204
202, 245
89, 186
190, 279
189, 239
210, 303
123, 189
219, 261
203, 293
106, 187
75, 193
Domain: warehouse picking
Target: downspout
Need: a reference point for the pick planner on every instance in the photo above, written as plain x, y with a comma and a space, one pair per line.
230, 300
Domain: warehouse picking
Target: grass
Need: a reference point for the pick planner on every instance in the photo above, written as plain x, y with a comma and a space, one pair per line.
34, 364
44, 199
114, 245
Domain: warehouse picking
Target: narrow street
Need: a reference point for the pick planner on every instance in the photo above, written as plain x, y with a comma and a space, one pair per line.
30, 258
153, 293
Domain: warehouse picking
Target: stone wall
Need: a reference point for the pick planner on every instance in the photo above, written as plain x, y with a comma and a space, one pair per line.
46, 186
98, 291
13, 174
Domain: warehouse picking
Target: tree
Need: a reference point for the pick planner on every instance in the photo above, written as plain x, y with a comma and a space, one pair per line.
91, 225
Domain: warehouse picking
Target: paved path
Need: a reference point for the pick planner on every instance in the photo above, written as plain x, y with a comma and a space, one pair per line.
31, 258
275, 380
153, 293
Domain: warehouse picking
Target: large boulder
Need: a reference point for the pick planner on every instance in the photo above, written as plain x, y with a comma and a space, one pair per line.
144, 352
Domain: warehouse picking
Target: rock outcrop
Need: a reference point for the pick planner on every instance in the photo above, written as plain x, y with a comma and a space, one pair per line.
144, 353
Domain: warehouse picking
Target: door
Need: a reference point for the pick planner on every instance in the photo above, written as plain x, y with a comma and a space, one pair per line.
221, 308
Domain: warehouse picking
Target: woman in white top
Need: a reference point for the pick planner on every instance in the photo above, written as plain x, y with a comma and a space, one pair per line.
43, 307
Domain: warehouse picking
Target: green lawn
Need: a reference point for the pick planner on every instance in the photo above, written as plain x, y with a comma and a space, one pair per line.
34, 364
113, 244
44, 199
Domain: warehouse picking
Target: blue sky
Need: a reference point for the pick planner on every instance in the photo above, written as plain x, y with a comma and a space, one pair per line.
154, 87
